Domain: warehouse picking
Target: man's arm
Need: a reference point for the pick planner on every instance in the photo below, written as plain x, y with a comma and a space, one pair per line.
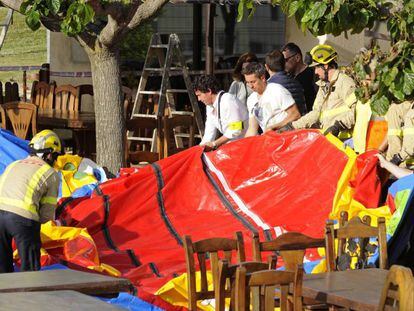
292, 115
392, 168
210, 131
212, 145
347, 94
253, 127
47, 204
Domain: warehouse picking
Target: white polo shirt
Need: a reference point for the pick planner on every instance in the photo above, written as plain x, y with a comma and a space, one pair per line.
230, 117
269, 108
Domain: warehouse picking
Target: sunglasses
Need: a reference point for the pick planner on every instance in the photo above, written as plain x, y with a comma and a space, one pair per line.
287, 58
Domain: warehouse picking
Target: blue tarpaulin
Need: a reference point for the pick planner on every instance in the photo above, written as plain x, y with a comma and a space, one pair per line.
12, 148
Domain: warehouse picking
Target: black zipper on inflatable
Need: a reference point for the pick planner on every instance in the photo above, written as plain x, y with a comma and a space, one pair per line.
154, 269
105, 228
225, 201
160, 199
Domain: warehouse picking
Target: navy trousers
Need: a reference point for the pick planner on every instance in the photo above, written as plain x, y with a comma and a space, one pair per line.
26, 234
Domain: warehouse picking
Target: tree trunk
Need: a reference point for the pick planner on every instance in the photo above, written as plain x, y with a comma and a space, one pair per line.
110, 125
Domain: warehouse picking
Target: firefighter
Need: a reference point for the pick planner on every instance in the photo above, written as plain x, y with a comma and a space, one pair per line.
334, 107
399, 143
28, 197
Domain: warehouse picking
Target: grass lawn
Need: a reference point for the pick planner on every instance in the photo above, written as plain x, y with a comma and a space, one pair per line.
21, 47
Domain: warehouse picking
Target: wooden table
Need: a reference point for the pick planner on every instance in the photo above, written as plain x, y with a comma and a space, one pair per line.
353, 289
52, 301
66, 119
81, 123
83, 282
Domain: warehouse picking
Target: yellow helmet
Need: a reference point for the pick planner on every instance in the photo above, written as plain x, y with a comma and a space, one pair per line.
45, 141
323, 54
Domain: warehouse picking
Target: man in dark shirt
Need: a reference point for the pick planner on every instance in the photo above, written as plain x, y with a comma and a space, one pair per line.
296, 68
275, 66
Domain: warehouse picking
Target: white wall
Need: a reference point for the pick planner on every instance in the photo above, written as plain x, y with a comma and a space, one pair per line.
66, 55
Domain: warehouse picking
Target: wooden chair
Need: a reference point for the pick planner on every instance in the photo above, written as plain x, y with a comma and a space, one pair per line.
128, 103
66, 98
140, 127
226, 281
21, 116
398, 291
172, 126
348, 247
262, 286
1, 94
11, 92
42, 94
291, 246
84, 89
212, 248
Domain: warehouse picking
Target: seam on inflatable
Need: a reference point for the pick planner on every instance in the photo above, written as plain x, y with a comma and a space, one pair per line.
154, 269
105, 228
225, 201
240, 204
61, 207
160, 199
133, 257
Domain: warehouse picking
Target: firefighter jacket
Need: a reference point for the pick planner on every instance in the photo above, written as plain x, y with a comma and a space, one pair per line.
335, 101
29, 188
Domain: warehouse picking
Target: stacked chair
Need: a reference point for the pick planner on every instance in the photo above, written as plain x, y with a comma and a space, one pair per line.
257, 285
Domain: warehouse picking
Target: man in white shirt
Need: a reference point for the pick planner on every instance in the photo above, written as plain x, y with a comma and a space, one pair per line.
225, 113
270, 106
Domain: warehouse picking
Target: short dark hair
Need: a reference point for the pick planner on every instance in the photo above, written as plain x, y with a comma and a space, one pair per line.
275, 61
255, 68
244, 58
206, 83
293, 48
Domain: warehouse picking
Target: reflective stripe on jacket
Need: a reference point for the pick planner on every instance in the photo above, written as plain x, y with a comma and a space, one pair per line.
29, 188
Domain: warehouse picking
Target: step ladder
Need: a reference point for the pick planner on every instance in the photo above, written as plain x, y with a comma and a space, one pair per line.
169, 62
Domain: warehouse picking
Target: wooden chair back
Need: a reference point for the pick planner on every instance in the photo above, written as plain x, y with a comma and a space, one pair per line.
42, 94
128, 103
261, 286
291, 246
211, 248
183, 125
398, 291
11, 92
226, 281
21, 116
347, 234
66, 98
143, 128
1, 94
84, 89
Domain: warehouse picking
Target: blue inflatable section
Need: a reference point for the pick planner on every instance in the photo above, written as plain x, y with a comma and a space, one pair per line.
12, 148
132, 303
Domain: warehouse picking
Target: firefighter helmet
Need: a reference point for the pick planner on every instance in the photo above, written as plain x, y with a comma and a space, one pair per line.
323, 54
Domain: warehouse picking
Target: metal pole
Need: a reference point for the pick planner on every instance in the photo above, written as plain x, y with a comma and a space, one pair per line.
211, 10
24, 86
197, 34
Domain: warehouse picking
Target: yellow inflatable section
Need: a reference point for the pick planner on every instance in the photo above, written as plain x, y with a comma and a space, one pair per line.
68, 166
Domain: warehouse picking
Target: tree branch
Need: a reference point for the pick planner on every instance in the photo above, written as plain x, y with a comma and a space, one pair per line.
12, 4
145, 11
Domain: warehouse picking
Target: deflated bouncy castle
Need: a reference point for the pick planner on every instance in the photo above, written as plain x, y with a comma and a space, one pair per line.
132, 226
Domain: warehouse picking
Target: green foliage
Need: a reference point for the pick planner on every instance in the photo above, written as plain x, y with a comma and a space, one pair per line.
73, 16
134, 46
392, 73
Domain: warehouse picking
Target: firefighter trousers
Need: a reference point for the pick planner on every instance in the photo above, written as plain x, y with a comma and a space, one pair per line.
26, 234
